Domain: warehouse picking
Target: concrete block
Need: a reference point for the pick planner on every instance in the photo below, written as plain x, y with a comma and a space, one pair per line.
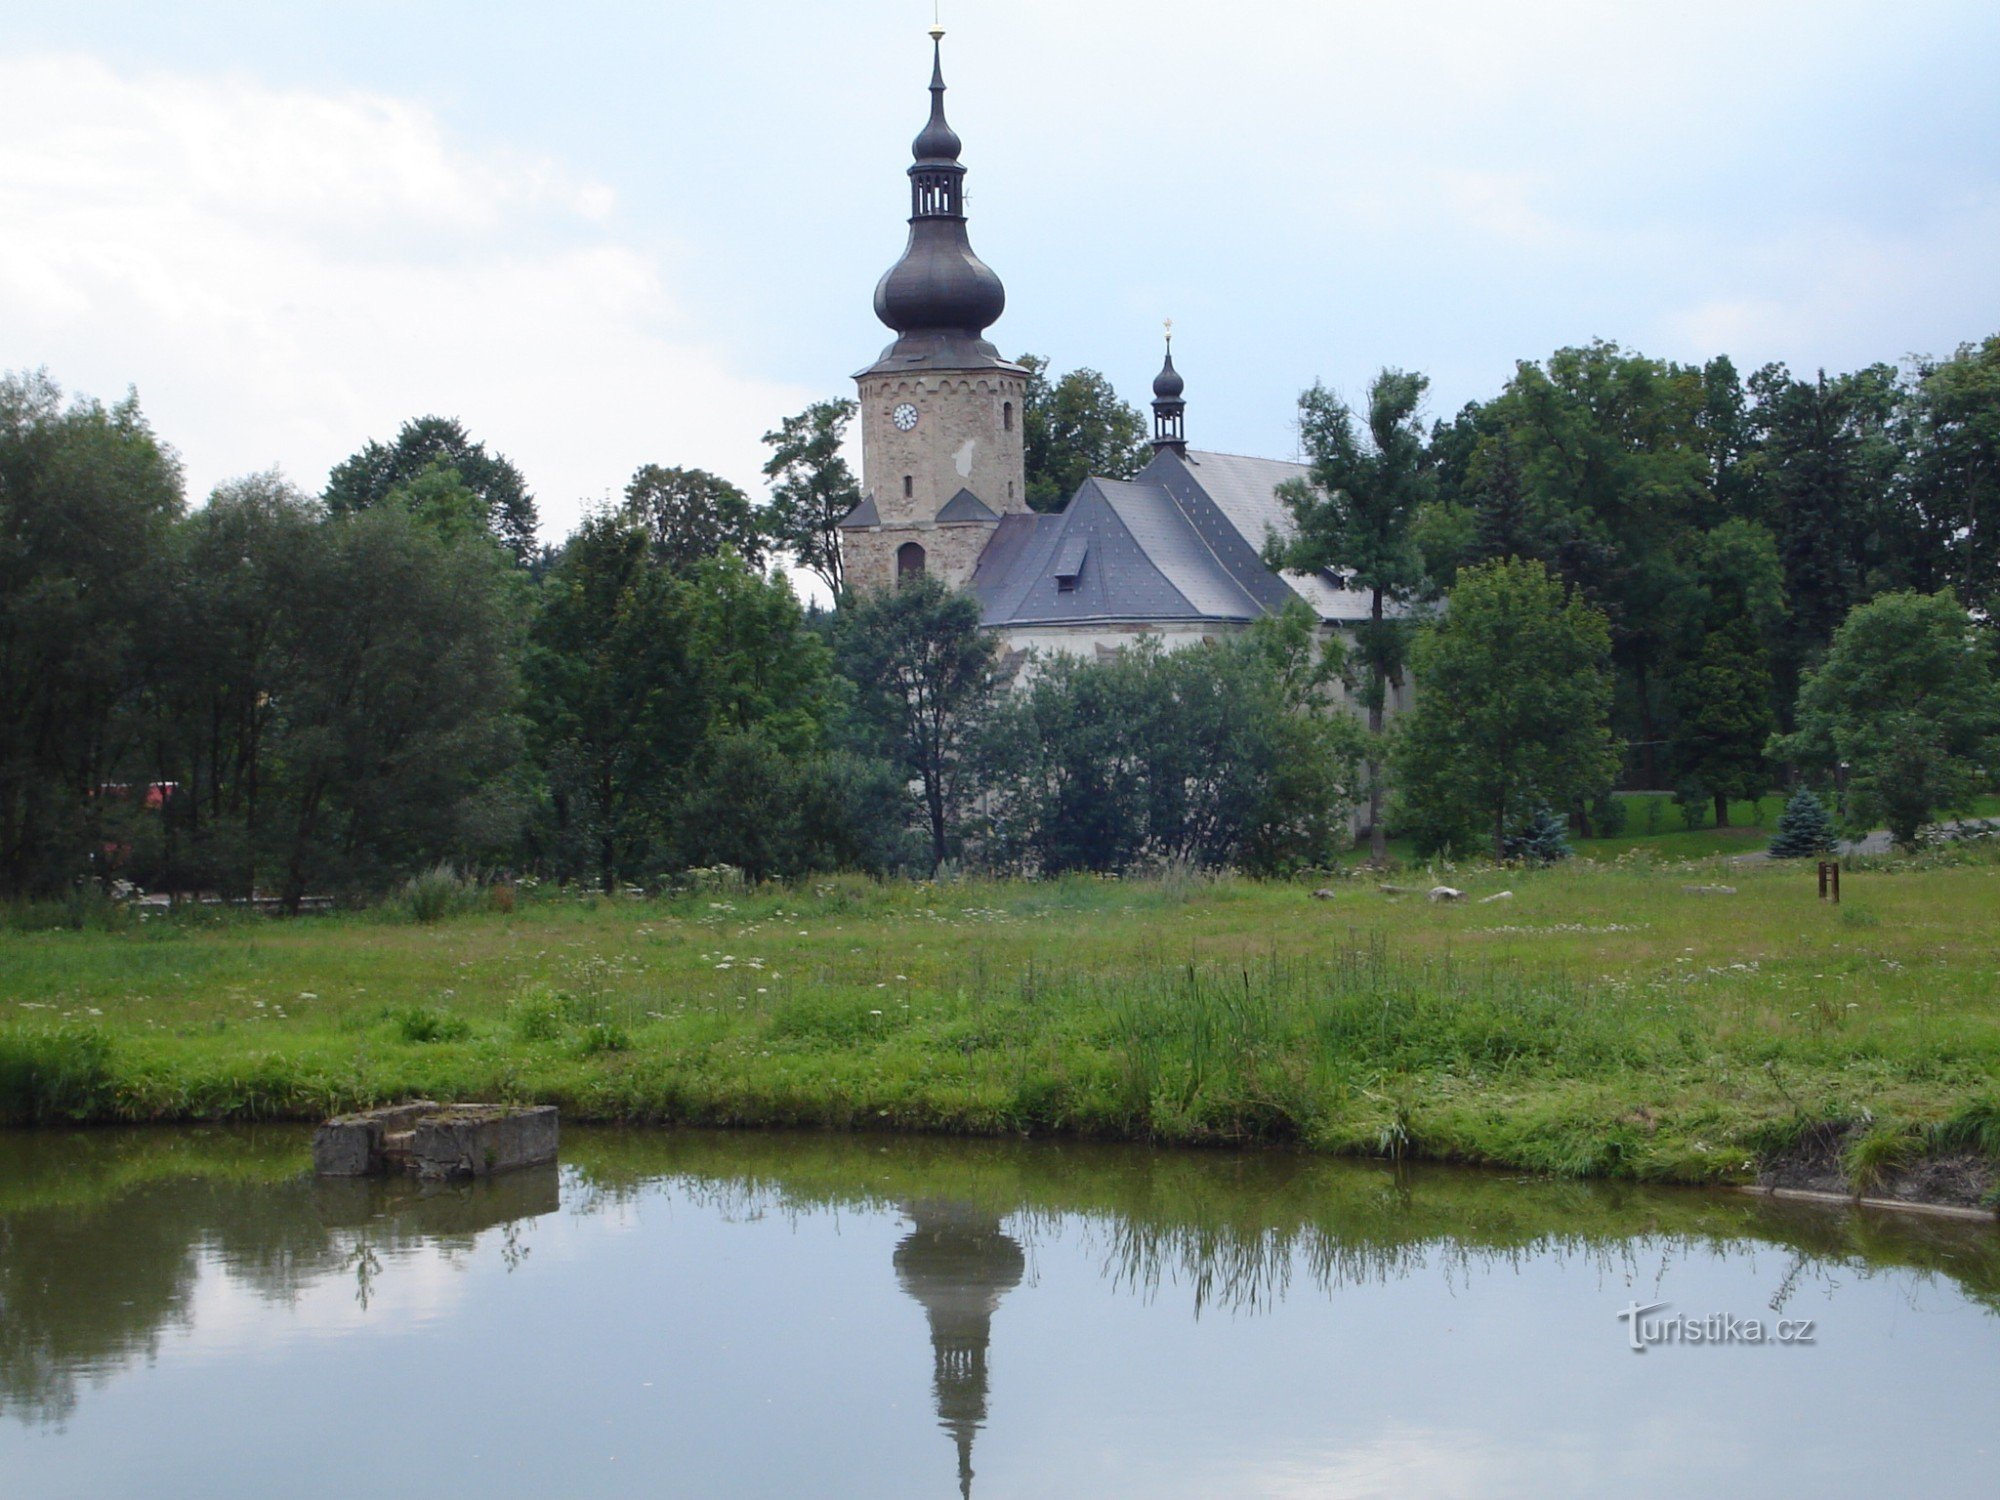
431, 1140
477, 1140
352, 1145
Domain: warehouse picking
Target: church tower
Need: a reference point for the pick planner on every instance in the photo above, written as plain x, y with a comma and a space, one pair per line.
941, 442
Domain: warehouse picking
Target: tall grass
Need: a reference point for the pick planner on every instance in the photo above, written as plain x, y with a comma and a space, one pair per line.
55, 1073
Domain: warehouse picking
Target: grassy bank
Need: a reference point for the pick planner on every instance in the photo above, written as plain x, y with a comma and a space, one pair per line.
1604, 1020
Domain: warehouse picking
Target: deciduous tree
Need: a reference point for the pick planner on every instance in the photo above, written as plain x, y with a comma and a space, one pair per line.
1512, 706
1907, 706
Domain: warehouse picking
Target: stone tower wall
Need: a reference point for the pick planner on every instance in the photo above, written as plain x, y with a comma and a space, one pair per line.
963, 440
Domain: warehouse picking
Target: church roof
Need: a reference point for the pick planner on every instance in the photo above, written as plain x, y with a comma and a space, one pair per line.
864, 514
966, 506
1180, 542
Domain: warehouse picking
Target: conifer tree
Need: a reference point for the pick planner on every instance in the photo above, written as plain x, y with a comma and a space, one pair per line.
1542, 840
1805, 828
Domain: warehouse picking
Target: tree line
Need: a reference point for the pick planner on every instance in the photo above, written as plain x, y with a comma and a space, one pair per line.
284, 693
1690, 581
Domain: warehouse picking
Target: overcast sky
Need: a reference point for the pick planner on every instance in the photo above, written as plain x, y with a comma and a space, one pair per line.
611, 234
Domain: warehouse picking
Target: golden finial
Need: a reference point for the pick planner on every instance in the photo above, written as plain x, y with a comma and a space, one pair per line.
937, 20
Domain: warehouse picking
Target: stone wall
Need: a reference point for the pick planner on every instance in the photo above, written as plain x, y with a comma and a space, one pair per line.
968, 436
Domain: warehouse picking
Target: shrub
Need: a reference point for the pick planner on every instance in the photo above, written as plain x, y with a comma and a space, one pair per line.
427, 1023
541, 1014
437, 893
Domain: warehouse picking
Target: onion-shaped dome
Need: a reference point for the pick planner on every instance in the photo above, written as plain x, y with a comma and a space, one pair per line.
1168, 385
939, 286
939, 283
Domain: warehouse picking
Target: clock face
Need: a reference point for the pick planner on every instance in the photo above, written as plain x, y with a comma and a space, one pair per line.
904, 416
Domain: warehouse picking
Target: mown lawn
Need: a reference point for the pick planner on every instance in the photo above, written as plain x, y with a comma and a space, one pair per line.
1606, 1019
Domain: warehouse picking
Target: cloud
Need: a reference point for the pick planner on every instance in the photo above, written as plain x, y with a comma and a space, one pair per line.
285, 273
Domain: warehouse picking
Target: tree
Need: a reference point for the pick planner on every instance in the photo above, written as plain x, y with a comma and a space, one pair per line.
1825, 470
367, 477
1724, 719
923, 672
1954, 490
1542, 840
691, 515
1905, 705
1613, 460
1512, 702
1356, 519
1073, 429
612, 695
221, 656
812, 488
1209, 755
1804, 828
87, 499
395, 739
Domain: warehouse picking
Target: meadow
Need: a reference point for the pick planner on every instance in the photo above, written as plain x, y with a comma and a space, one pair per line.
1621, 1018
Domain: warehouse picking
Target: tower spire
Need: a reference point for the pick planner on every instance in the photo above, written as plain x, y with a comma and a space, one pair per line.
939, 287
1169, 410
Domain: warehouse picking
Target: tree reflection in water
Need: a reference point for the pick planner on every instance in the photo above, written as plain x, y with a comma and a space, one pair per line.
104, 1235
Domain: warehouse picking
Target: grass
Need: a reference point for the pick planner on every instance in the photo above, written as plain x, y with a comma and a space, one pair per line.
1605, 1020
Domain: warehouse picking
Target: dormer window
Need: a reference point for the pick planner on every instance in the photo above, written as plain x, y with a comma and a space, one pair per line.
1068, 566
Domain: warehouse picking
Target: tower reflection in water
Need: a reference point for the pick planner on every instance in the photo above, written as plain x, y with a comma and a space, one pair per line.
958, 1263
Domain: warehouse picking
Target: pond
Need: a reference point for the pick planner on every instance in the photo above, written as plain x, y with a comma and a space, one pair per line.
708, 1314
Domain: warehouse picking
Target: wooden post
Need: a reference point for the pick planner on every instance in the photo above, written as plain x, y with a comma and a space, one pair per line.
1829, 881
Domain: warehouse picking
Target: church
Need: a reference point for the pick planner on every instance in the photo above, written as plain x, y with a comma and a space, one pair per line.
1175, 551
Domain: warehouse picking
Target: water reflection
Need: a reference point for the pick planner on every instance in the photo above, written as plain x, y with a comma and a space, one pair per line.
113, 1246
958, 1263
104, 1236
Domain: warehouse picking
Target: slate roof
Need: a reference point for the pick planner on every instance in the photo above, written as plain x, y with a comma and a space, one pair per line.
1182, 541
864, 514
966, 506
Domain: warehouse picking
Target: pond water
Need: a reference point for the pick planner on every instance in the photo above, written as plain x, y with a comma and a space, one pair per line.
694, 1314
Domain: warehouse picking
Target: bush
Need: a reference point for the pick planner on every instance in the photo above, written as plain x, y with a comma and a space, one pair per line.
437, 893
541, 1014
427, 1023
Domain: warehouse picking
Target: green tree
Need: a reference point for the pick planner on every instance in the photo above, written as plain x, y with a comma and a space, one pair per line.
1512, 702
1614, 464
367, 477
691, 515
87, 499
615, 700
1072, 429
1825, 468
1907, 706
1804, 828
923, 674
1356, 519
223, 652
1954, 481
812, 489
1724, 718
1209, 755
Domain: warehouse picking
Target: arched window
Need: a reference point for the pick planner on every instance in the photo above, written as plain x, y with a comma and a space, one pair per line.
1007, 415
909, 562
909, 487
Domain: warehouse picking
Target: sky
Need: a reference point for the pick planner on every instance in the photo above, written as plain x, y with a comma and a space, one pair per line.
606, 235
